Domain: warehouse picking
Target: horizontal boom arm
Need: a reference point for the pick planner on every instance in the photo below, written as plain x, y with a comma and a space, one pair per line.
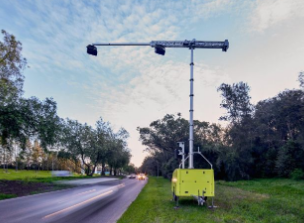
224, 45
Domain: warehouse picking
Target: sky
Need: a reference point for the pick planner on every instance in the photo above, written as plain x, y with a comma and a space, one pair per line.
132, 86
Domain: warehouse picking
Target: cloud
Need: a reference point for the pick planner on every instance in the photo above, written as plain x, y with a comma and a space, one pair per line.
268, 13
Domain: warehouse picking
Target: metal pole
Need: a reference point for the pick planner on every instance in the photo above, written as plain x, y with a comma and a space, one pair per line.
191, 113
183, 156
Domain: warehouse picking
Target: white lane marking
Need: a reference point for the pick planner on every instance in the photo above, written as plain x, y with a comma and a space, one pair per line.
85, 192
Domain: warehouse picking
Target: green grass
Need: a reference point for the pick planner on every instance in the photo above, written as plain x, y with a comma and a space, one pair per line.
262, 200
36, 176
24, 174
6, 196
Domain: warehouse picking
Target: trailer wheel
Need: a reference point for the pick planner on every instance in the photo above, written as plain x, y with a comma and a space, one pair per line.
175, 198
201, 200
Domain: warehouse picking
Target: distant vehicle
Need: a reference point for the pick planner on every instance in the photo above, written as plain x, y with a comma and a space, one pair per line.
132, 176
141, 176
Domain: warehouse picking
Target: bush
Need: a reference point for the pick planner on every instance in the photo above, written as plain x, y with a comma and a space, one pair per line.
290, 157
297, 174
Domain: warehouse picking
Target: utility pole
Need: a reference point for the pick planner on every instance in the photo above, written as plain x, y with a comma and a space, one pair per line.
159, 47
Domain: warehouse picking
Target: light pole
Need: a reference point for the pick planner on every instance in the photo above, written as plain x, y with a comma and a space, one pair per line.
159, 47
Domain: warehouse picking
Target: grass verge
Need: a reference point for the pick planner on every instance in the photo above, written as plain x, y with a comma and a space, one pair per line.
6, 196
262, 200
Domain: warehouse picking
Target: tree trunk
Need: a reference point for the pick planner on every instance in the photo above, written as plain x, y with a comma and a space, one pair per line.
103, 169
115, 171
4, 164
88, 170
93, 170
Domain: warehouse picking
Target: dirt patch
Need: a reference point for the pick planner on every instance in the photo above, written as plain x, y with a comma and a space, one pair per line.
21, 188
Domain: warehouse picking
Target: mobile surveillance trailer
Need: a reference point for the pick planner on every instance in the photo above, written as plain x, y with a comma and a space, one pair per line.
198, 183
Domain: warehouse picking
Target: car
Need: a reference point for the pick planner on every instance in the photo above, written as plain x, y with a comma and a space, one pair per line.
132, 176
141, 176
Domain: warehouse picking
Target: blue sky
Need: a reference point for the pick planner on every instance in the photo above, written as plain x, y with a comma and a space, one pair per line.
132, 86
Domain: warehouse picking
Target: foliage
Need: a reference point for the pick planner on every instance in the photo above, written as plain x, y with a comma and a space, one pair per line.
118, 155
290, 157
130, 168
236, 101
96, 146
27, 118
297, 174
279, 126
301, 79
11, 63
161, 140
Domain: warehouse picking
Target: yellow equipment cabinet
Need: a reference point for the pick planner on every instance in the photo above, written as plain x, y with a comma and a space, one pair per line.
193, 182
198, 183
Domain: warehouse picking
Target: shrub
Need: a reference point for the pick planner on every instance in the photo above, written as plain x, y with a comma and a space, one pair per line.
297, 174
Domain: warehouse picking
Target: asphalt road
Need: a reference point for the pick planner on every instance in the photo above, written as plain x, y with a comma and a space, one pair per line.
101, 202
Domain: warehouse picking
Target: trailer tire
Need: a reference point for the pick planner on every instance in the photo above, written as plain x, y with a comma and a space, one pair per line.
175, 198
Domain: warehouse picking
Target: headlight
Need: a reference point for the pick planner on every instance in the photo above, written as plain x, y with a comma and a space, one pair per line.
174, 180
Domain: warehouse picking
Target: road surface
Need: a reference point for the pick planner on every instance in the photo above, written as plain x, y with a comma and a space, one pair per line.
91, 203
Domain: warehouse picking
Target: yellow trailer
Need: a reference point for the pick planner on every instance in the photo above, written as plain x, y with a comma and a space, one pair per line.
197, 183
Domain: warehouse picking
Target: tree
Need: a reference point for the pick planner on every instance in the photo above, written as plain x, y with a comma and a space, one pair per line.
236, 156
11, 63
27, 118
301, 79
96, 146
130, 168
37, 155
278, 122
150, 166
290, 158
76, 139
236, 101
161, 140
103, 137
11, 81
119, 155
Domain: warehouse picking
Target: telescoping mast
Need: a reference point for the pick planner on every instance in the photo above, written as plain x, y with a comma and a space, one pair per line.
198, 183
